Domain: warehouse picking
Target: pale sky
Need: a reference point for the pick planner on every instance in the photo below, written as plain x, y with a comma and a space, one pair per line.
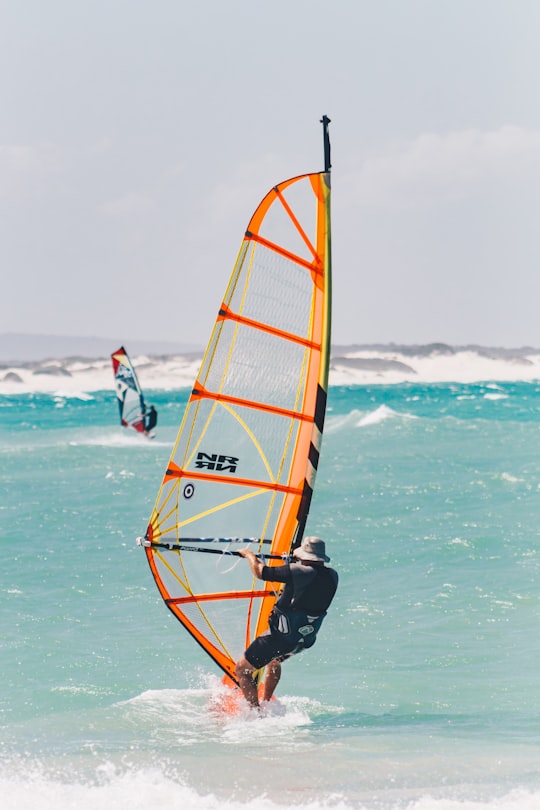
138, 136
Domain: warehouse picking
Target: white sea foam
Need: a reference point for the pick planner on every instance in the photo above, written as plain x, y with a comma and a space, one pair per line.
381, 414
156, 788
349, 366
200, 707
336, 423
438, 364
511, 478
144, 789
78, 378
120, 438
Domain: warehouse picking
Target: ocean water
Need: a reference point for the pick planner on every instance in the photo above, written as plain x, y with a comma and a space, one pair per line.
423, 690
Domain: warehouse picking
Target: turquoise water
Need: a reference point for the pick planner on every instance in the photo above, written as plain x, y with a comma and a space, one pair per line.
423, 691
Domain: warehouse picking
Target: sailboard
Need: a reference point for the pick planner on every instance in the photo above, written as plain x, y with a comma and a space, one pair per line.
128, 392
242, 470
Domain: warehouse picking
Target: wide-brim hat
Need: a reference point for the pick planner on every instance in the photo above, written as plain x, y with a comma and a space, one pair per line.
312, 548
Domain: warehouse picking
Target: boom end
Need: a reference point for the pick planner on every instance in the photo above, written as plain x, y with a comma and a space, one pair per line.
142, 541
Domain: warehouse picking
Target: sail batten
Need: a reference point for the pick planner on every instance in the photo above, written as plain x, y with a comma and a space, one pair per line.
201, 393
226, 313
240, 482
299, 228
312, 266
245, 459
212, 597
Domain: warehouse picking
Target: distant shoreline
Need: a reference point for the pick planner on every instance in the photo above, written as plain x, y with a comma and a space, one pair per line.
22, 348
357, 364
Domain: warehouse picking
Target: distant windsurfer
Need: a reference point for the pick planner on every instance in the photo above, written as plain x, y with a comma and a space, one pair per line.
310, 586
150, 419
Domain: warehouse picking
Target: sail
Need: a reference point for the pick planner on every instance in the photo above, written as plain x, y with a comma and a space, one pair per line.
242, 470
128, 391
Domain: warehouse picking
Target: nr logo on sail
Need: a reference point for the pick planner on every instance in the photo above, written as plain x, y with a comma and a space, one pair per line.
216, 462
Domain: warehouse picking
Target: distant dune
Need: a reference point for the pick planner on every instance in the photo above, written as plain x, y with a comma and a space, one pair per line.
18, 347
84, 364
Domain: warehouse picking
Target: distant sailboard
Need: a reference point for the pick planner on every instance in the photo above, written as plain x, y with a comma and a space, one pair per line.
243, 467
133, 411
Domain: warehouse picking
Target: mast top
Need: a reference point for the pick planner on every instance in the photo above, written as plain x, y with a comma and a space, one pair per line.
326, 138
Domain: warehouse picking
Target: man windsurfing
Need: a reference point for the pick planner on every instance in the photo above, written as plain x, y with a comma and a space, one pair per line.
310, 586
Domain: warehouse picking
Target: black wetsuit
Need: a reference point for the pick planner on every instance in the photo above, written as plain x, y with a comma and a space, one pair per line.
150, 419
298, 613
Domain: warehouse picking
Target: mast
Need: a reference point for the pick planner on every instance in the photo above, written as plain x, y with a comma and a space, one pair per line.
326, 138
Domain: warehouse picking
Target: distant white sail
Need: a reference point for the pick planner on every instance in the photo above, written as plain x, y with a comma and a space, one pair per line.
128, 391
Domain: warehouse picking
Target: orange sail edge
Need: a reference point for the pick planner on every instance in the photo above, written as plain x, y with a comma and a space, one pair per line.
223, 661
262, 209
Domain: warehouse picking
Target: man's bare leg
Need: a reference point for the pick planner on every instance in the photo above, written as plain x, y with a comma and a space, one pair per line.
273, 674
244, 673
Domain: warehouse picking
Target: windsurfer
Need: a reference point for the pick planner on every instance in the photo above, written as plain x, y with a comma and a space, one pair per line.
310, 586
150, 419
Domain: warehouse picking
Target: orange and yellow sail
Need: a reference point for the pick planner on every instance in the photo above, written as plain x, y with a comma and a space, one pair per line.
243, 467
